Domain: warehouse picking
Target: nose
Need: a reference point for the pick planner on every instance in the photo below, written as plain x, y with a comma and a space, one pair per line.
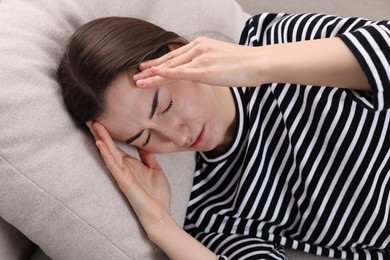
176, 134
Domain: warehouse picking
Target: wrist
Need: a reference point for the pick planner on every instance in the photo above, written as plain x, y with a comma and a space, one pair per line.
156, 232
177, 243
275, 64
256, 65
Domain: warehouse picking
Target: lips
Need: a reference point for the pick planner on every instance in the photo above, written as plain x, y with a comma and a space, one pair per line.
199, 139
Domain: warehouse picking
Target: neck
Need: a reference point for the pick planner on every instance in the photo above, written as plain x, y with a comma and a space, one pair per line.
228, 116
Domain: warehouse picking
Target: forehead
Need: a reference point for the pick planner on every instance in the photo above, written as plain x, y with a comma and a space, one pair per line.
127, 106
123, 91
121, 87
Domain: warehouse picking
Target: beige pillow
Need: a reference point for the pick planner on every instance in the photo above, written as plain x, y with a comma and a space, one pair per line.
13, 244
53, 184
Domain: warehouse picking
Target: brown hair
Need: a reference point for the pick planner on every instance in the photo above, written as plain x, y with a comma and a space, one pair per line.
101, 49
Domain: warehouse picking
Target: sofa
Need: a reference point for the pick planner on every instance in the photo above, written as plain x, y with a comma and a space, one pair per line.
57, 200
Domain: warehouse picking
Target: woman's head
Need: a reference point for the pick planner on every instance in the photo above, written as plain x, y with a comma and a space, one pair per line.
99, 51
96, 79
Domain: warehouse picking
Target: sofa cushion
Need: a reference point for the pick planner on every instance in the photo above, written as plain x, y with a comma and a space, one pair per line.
13, 244
53, 184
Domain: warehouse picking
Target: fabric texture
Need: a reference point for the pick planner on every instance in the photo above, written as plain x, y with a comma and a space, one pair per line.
309, 166
53, 184
13, 244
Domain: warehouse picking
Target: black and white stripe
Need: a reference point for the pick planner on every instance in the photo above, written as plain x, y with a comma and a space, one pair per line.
309, 166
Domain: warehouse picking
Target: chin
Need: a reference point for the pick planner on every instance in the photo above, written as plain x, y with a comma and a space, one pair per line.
209, 148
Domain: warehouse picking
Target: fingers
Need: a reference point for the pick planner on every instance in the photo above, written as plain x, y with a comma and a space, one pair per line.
176, 60
143, 74
123, 179
97, 137
104, 136
110, 161
150, 80
149, 159
89, 123
154, 80
169, 56
164, 67
180, 72
158, 76
156, 62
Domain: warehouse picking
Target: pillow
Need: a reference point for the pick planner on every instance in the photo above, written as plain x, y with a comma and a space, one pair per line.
54, 187
13, 244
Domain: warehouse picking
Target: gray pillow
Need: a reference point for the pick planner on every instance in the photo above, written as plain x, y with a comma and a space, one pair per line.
53, 184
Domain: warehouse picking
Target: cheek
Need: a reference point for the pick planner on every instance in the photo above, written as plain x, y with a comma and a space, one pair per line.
160, 149
198, 102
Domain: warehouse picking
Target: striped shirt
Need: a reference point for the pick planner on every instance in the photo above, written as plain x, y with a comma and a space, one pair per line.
308, 167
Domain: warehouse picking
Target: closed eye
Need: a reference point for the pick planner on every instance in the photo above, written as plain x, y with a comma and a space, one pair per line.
147, 140
163, 113
168, 108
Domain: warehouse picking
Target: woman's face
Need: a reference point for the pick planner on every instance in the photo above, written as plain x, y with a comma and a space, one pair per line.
177, 116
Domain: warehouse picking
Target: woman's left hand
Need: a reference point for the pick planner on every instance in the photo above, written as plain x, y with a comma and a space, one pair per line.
143, 182
320, 62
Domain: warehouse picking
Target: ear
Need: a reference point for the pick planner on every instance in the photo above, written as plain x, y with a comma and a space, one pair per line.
177, 43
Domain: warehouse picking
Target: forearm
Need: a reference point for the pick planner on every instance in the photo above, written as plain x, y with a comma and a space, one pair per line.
177, 243
323, 62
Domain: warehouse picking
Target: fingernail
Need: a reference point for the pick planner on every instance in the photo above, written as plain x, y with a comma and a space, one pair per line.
140, 82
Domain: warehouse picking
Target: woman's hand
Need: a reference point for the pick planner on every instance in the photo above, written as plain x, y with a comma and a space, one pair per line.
143, 183
321, 62
148, 192
204, 60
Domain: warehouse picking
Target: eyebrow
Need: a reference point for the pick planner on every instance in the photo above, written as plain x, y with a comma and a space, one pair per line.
152, 112
154, 104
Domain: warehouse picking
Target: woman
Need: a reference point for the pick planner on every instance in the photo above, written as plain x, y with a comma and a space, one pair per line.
303, 162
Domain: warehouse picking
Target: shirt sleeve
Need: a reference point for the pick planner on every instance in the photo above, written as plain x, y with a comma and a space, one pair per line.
235, 246
371, 47
369, 41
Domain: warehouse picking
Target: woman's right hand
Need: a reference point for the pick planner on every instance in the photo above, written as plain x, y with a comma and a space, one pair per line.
146, 188
206, 61
143, 182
